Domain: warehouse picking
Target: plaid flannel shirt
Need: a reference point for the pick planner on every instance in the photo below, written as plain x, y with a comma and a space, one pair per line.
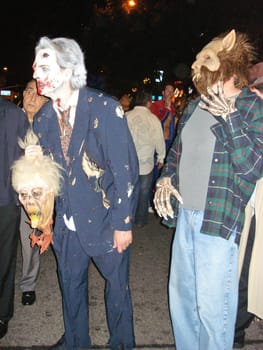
237, 164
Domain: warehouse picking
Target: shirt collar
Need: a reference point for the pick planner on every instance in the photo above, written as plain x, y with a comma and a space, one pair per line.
72, 102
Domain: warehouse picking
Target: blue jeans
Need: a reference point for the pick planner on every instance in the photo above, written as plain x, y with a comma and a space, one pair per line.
145, 183
203, 286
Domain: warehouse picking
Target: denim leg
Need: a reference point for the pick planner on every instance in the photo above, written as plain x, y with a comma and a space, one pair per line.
203, 286
145, 182
182, 291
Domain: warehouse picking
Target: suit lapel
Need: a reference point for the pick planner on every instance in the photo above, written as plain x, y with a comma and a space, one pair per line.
81, 126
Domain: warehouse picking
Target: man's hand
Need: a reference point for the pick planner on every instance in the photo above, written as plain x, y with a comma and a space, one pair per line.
159, 165
122, 240
162, 197
33, 151
216, 103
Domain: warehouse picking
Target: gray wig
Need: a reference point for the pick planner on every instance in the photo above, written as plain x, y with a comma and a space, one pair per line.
69, 55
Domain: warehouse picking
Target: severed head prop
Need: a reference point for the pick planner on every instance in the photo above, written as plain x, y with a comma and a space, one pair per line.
228, 55
37, 180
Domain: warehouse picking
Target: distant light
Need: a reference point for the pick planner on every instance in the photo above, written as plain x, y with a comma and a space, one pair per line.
131, 3
5, 69
190, 90
5, 92
146, 80
159, 78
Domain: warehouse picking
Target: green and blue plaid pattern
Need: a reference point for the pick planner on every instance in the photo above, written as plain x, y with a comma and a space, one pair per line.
236, 165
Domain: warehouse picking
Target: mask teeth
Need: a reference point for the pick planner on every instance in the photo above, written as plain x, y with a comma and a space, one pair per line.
35, 217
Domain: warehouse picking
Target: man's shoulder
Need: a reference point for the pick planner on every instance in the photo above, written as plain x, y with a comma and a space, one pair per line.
6, 104
248, 99
247, 94
100, 104
131, 116
11, 108
154, 116
99, 96
157, 105
139, 112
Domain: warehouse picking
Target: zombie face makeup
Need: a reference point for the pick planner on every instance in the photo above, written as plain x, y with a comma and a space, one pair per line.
49, 75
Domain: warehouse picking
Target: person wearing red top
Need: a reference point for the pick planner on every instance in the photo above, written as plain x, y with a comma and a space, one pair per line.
165, 111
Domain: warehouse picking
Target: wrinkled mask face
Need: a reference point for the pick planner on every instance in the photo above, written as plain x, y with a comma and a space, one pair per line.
32, 199
38, 203
206, 69
48, 74
208, 58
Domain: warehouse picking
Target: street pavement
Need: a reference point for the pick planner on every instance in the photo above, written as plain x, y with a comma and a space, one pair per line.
40, 325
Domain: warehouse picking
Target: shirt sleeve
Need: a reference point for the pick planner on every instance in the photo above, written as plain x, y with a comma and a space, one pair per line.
160, 143
242, 137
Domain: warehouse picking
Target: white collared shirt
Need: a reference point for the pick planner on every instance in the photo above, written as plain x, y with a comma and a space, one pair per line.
72, 104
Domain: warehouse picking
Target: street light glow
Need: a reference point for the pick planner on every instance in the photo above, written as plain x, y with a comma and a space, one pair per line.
131, 3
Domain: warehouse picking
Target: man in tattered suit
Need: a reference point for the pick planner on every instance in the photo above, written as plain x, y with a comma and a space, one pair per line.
86, 132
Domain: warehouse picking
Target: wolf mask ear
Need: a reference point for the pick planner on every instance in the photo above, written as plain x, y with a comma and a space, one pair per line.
229, 40
208, 56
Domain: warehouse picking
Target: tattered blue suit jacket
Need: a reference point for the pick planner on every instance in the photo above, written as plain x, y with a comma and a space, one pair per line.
103, 199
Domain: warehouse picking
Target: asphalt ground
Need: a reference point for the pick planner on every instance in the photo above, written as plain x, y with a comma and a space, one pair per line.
40, 325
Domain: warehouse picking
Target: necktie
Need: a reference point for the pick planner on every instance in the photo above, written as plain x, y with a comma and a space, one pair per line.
66, 131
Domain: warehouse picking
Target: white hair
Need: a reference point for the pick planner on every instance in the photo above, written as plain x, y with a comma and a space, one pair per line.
27, 169
69, 55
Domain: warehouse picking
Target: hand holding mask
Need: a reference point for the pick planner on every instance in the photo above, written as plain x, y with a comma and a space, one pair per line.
216, 103
37, 180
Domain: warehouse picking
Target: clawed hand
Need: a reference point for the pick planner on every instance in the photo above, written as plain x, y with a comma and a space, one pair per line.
216, 103
162, 198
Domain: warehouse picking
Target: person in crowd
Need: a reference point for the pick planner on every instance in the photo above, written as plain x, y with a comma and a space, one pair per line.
32, 103
85, 131
125, 101
250, 263
165, 111
206, 182
147, 134
13, 125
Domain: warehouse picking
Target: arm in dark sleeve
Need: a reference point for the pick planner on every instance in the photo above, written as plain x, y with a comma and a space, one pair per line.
123, 162
242, 136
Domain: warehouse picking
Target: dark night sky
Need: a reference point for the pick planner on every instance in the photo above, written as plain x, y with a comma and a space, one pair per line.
160, 34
